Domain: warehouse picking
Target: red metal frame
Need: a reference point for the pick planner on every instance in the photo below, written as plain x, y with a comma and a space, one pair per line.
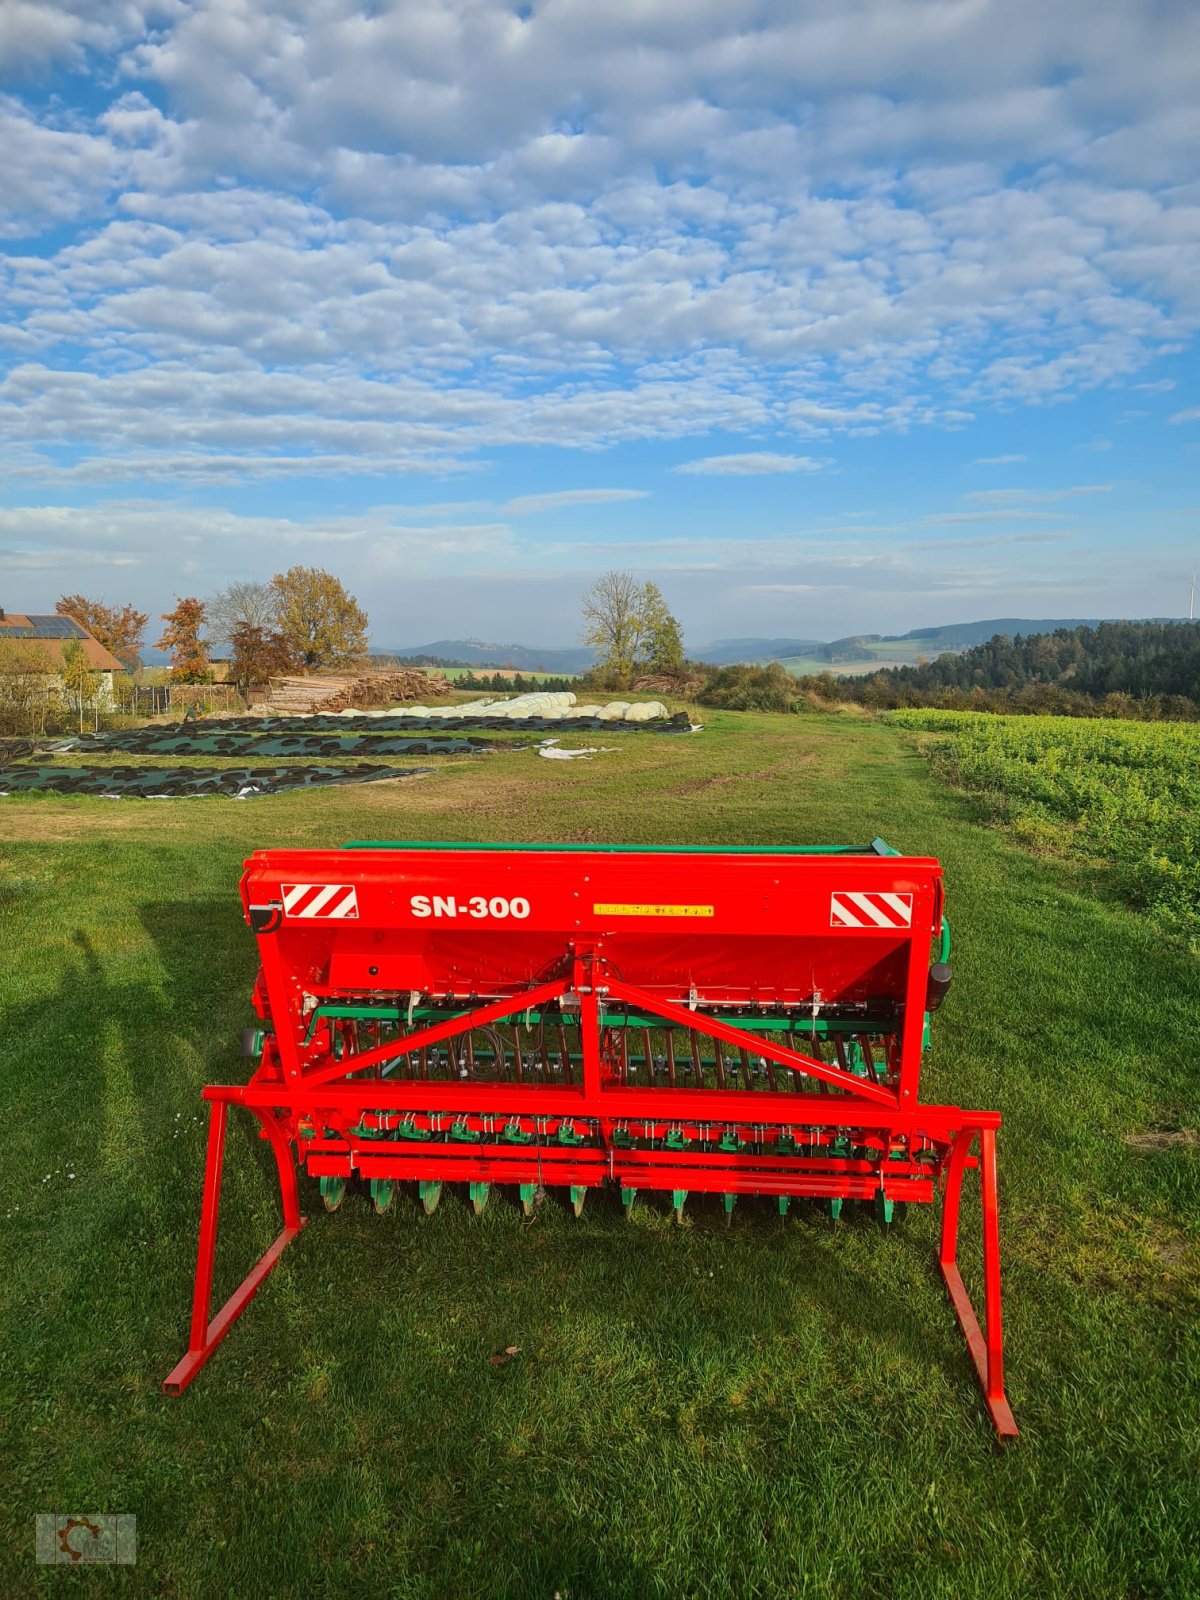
671, 936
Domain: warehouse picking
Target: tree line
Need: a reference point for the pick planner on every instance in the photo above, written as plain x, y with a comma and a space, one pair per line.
302, 620
1152, 664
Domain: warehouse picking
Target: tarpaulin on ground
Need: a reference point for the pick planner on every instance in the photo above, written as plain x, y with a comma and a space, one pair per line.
166, 742
176, 782
399, 723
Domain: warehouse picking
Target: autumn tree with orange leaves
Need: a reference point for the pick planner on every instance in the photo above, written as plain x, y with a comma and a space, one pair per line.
181, 636
118, 628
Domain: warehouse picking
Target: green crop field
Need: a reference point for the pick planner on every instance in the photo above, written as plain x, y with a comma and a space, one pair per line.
529, 675
1122, 795
780, 1408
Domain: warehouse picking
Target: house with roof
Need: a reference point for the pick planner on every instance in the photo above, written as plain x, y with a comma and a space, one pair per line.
45, 639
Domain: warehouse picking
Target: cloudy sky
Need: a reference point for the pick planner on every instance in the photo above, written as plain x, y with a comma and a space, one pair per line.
830, 315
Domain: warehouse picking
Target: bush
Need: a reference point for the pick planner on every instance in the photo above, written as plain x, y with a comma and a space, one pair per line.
749, 688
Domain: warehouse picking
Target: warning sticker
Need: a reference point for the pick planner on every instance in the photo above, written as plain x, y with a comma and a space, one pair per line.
652, 911
874, 910
328, 901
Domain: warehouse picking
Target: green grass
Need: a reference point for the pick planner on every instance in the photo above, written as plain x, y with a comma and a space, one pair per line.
776, 1409
887, 653
529, 674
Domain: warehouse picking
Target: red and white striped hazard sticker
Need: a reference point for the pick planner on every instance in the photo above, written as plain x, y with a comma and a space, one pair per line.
862, 909
324, 900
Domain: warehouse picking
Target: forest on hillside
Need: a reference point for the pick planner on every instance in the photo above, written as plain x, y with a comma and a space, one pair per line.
1155, 665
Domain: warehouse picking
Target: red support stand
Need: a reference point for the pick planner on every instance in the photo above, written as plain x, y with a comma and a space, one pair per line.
206, 1335
987, 1350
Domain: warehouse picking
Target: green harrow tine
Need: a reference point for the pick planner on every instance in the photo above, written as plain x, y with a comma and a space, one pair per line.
578, 1196
730, 1201
430, 1193
678, 1198
333, 1192
479, 1196
785, 1201
383, 1192
628, 1196
528, 1195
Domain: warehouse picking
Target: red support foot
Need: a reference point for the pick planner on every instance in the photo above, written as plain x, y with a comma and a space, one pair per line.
206, 1335
987, 1351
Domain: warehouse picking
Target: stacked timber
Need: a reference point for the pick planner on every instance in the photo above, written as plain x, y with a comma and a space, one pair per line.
356, 691
686, 685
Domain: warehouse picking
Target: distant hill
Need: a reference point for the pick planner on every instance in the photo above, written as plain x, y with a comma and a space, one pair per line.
868, 649
962, 635
728, 652
483, 653
1143, 660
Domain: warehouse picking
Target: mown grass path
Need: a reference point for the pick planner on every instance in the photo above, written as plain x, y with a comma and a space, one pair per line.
776, 1409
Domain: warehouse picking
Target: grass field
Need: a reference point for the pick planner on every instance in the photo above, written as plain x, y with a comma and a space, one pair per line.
776, 1409
887, 653
530, 676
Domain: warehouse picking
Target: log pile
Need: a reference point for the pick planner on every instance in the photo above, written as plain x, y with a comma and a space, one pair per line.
683, 685
359, 691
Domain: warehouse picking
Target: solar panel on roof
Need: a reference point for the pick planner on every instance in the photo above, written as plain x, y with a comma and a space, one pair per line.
42, 628
55, 627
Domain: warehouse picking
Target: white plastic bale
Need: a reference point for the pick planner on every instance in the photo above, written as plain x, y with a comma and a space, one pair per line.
614, 711
539, 704
647, 711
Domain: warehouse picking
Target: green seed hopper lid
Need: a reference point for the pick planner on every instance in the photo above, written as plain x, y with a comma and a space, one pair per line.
877, 847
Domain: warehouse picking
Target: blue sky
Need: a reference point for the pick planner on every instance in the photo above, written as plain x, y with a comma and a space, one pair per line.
830, 316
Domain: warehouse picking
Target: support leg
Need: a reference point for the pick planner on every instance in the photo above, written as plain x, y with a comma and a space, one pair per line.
987, 1352
206, 1335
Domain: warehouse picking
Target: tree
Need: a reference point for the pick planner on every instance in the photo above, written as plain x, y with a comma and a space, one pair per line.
80, 681
662, 637
631, 626
181, 636
118, 628
323, 624
258, 653
240, 605
28, 688
612, 623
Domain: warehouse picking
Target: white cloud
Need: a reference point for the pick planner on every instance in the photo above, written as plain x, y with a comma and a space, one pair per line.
526, 504
36, 33
754, 463
1035, 497
271, 240
998, 461
1191, 415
